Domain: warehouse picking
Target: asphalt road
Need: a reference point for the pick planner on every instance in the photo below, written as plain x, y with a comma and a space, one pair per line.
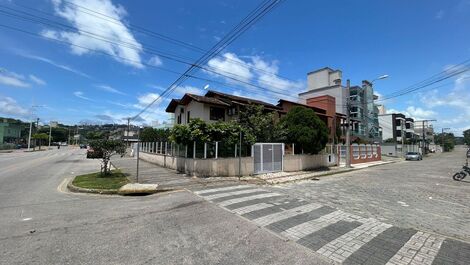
42, 224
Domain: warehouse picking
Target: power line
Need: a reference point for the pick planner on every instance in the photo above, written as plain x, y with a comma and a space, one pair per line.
244, 25
151, 33
146, 64
214, 70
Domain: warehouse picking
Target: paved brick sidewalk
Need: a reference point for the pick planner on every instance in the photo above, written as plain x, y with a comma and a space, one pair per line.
340, 236
167, 179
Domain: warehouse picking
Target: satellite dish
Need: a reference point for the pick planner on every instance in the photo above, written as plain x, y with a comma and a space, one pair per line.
206, 87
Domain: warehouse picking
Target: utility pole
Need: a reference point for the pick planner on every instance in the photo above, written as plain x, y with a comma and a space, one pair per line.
36, 131
50, 133
423, 147
240, 156
348, 124
402, 139
128, 130
29, 137
138, 151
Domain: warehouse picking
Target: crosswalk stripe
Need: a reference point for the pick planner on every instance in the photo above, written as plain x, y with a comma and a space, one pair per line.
275, 217
342, 247
251, 208
201, 192
227, 194
422, 248
253, 197
311, 226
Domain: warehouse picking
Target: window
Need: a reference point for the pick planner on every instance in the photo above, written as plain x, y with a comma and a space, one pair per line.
188, 116
178, 119
217, 114
182, 110
232, 111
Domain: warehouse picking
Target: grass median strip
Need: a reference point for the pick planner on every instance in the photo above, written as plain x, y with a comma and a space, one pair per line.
113, 181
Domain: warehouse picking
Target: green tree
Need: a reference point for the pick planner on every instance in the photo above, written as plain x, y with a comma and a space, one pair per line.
466, 137
107, 148
58, 134
148, 134
95, 135
446, 140
305, 129
257, 124
40, 137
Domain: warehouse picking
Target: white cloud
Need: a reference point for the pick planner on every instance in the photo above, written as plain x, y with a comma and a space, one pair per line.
12, 79
37, 80
51, 62
451, 106
155, 61
416, 113
419, 113
255, 70
80, 94
189, 89
112, 28
231, 64
110, 89
9, 106
147, 98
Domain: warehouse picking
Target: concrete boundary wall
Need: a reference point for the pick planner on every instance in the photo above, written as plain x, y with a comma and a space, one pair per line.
306, 162
225, 167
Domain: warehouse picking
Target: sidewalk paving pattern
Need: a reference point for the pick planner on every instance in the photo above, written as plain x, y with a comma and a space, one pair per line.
342, 237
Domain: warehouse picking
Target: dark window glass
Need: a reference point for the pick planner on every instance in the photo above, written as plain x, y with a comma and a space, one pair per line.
217, 114
188, 116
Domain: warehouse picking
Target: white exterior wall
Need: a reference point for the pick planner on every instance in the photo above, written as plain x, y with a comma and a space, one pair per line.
338, 92
323, 78
198, 110
385, 122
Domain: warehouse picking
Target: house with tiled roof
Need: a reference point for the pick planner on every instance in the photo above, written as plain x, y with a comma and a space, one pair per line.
213, 106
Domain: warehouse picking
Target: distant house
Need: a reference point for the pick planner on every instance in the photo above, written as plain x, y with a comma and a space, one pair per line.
10, 132
397, 127
213, 106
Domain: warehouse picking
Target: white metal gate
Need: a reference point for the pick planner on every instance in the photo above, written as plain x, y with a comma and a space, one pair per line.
268, 157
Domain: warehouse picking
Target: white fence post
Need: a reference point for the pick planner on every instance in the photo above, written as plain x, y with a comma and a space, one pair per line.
194, 150
293, 149
216, 150
235, 150
205, 150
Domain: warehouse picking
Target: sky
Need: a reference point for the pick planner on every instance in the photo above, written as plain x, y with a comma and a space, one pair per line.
100, 61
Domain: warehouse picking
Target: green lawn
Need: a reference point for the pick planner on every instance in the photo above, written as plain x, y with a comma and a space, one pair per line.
95, 181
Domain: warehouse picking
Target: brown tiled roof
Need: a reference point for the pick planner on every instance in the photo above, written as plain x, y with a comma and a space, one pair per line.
240, 100
188, 97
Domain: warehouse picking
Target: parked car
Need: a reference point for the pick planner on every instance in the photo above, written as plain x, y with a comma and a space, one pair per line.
82, 146
413, 156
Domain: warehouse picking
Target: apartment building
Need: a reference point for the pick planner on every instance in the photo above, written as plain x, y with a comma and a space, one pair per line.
397, 128
364, 112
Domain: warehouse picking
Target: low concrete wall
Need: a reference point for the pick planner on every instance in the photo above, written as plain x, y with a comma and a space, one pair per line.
221, 167
306, 162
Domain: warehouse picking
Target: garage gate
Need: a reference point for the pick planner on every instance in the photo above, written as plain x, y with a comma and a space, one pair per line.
268, 157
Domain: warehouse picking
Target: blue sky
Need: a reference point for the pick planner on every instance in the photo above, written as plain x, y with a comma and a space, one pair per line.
408, 40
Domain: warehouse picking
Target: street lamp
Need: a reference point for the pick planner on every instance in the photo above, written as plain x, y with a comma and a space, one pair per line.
379, 78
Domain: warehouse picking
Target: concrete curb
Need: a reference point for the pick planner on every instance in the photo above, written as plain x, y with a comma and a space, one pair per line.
74, 188
329, 173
